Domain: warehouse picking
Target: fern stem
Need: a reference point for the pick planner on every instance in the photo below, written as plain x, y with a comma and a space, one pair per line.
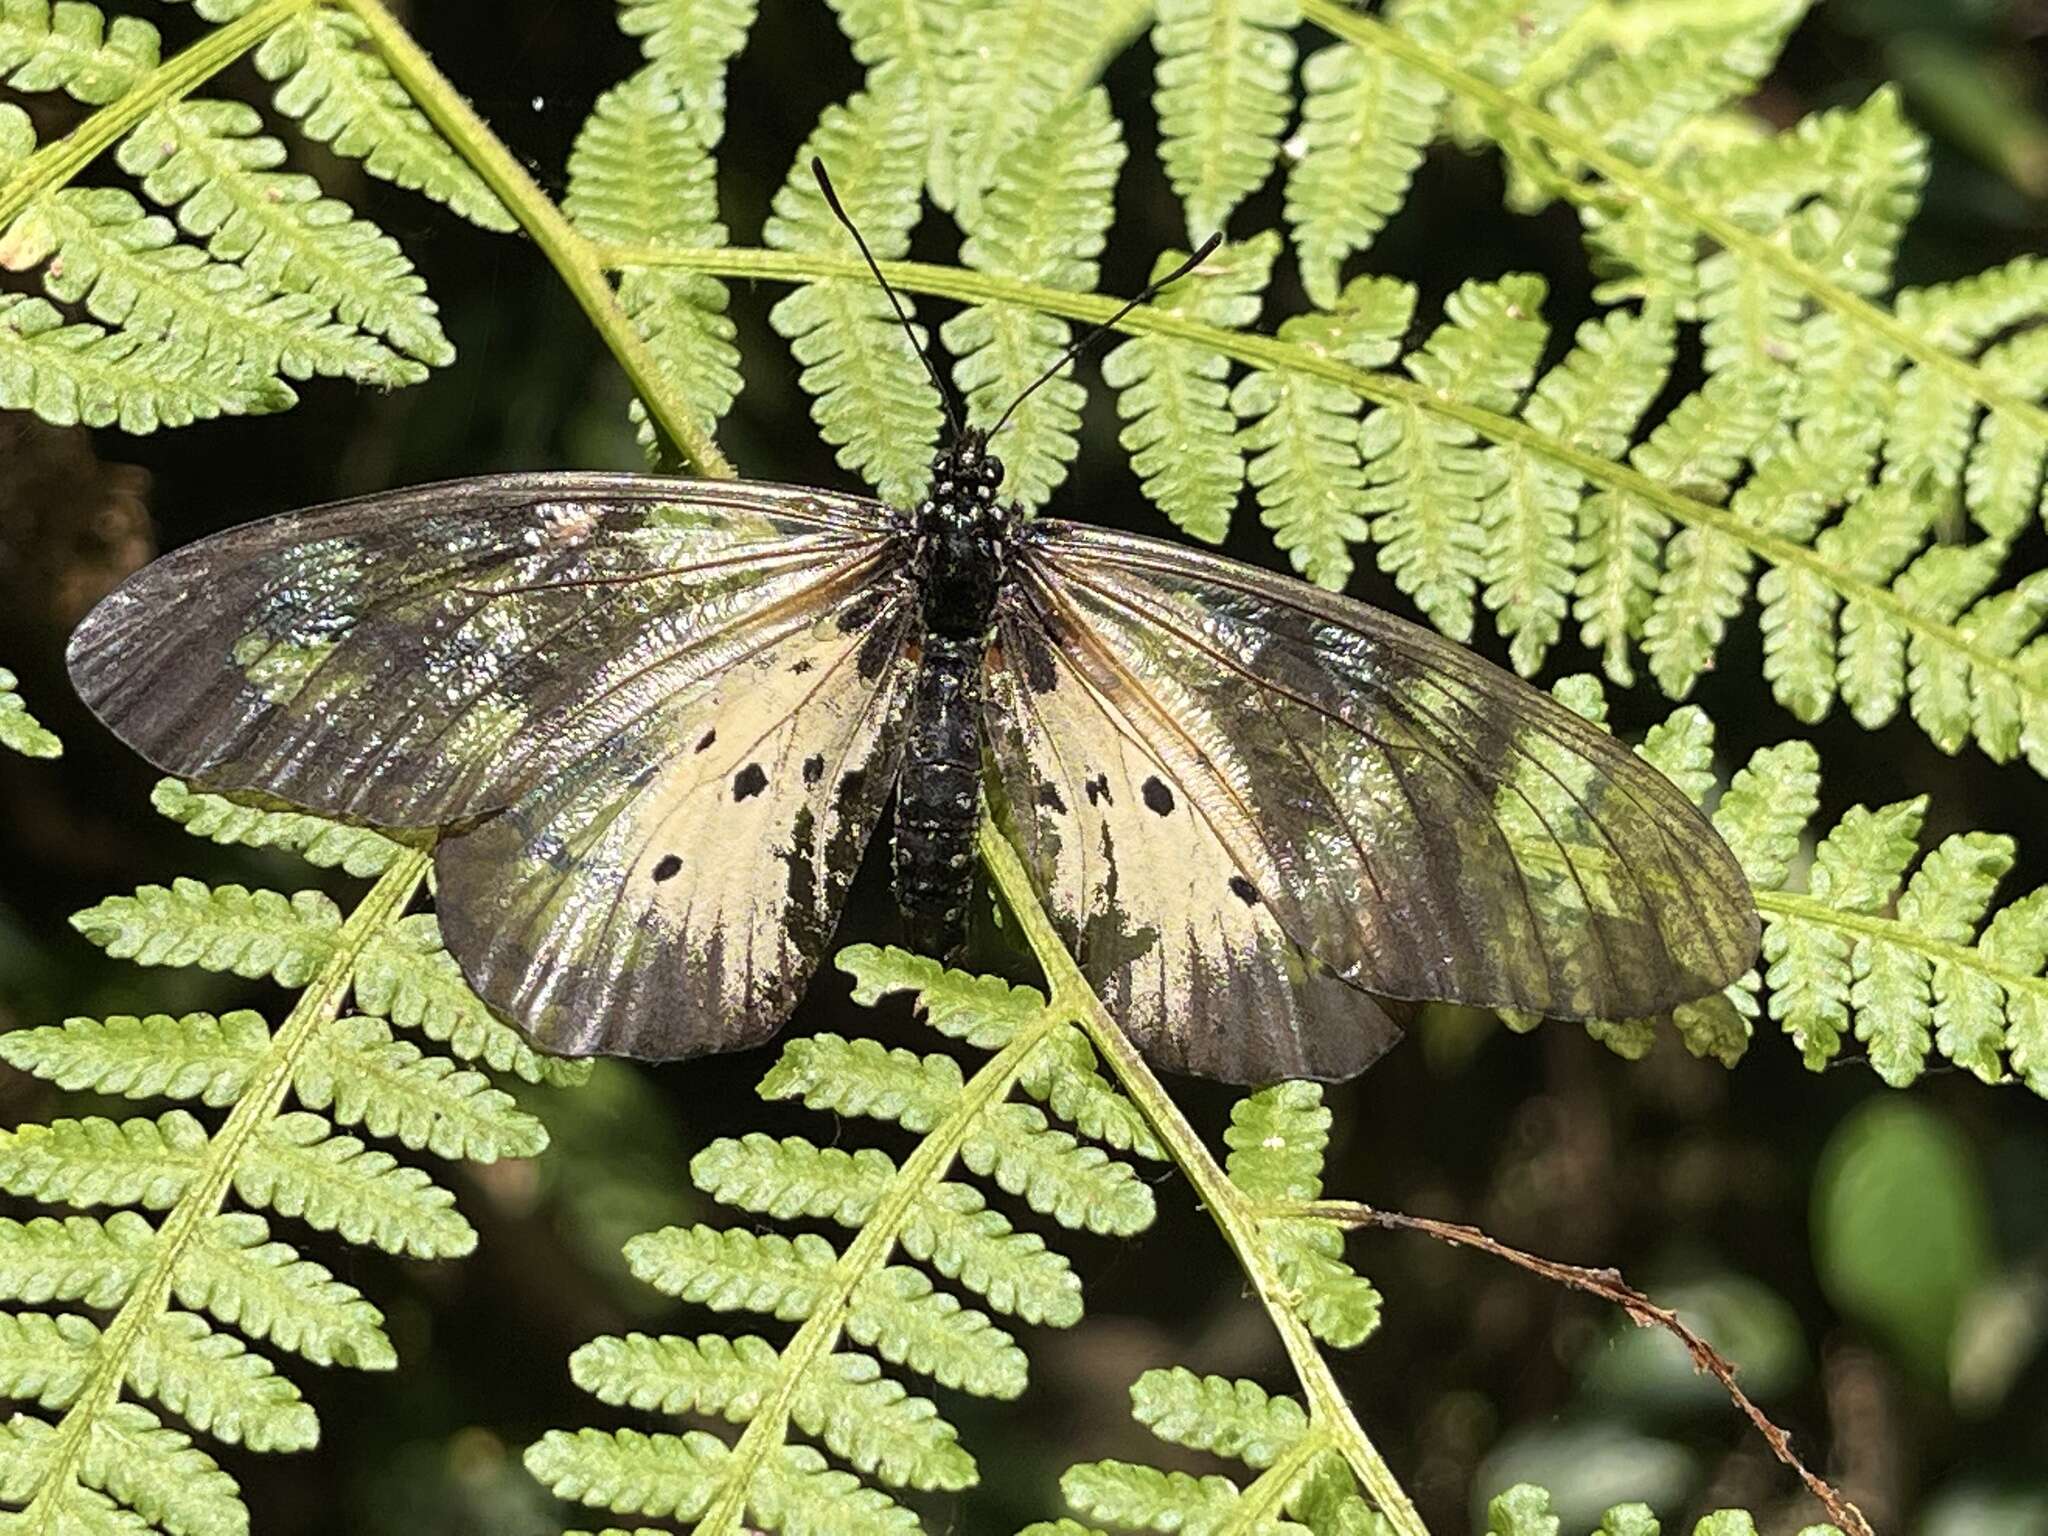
574, 258
1643, 185
1891, 931
58, 163
319, 1004
1269, 352
1233, 1214
927, 1165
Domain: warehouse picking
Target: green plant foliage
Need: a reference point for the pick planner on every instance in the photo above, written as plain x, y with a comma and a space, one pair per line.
916, 1290
20, 731
1223, 100
341, 94
163, 1289
1908, 955
641, 175
1524, 1510
871, 396
1042, 220
283, 283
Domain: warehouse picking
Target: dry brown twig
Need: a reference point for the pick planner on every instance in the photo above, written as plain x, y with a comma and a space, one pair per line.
1608, 1285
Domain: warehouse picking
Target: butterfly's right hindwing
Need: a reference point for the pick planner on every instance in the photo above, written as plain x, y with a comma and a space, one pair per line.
422, 657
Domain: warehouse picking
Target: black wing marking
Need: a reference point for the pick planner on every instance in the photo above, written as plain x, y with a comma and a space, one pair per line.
1419, 821
431, 655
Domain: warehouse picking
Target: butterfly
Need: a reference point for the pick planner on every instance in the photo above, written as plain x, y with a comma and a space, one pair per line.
657, 722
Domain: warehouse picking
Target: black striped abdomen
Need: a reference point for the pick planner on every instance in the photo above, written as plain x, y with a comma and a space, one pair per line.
937, 804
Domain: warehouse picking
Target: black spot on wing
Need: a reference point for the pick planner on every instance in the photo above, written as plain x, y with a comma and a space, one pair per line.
748, 782
814, 768
704, 741
801, 665
1158, 798
1049, 797
668, 867
1098, 790
1244, 890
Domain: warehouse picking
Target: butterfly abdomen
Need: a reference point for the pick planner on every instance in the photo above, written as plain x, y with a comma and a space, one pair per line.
937, 797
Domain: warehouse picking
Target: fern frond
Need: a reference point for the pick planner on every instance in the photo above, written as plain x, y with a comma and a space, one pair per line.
1174, 398
174, 1288
1426, 476
211, 163
641, 174
1222, 94
358, 851
20, 731
1591, 401
689, 43
1365, 122
917, 42
1043, 220
125, 267
81, 374
929, 1246
1277, 1138
73, 48
1016, 65
342, 95
1303, 431
870, 393
1913, 963
1524, 1510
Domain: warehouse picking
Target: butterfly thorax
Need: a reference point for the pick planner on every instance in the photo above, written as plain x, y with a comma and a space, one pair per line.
962, 532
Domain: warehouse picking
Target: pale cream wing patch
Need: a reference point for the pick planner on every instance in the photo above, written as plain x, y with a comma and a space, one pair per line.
1183, 949
670, 893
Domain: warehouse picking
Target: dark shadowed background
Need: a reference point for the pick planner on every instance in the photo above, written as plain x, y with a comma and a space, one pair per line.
1876, 1261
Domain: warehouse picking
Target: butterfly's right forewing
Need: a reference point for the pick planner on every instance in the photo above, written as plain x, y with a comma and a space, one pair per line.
432, 655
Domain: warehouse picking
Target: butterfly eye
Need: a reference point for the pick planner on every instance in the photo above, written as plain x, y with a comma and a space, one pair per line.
991, 472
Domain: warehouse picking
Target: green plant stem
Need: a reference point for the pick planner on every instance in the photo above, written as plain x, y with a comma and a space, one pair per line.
574, 258
1640, 184
1233, 1214
319, 1004
59, 162
870, 1249
1270, 352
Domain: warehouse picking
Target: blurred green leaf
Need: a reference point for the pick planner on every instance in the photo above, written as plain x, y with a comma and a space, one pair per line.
1588, 1468
1901, 1228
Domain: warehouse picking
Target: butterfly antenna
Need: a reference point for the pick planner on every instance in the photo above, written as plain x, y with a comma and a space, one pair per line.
1149, 291
839, 212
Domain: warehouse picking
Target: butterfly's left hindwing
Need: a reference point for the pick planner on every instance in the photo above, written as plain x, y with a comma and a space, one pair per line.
669, 893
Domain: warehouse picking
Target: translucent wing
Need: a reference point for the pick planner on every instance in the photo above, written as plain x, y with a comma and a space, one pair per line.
421, 657
668, 892
1421, 823
665, 716
1185, 957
